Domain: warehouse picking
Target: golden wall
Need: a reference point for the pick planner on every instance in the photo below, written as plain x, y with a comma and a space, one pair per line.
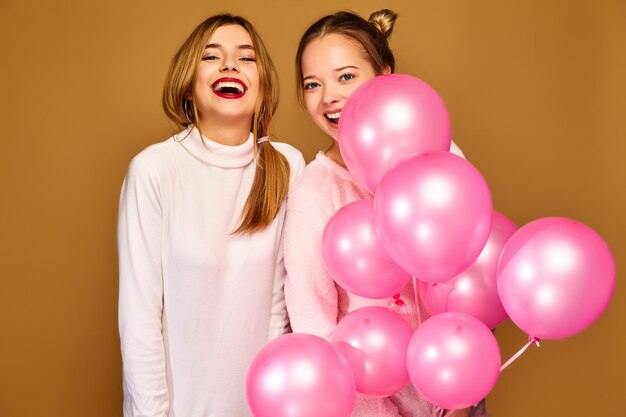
536, 93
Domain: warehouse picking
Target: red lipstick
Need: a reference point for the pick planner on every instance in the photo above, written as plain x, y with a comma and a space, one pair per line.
230, 88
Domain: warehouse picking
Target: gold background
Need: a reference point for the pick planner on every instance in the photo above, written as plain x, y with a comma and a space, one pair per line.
537, 98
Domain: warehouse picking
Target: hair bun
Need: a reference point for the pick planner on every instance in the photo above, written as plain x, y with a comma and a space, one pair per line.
383, 20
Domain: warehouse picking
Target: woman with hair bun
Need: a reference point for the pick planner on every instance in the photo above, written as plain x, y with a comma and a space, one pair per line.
335, 55
200, 231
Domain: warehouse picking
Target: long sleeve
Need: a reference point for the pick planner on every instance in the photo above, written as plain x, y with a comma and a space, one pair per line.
313, 299
279, 320
311, 294
141, 294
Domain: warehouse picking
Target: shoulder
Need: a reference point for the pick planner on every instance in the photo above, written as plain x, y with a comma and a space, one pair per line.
290, 152
456, 150
308, 200
321, 175
315, 187
153, 159
293, 155
156, 152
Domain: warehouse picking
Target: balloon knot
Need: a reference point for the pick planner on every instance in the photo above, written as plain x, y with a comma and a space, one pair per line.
534, 340
397, 301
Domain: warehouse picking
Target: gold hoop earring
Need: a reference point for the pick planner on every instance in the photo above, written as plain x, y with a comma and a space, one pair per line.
186, 110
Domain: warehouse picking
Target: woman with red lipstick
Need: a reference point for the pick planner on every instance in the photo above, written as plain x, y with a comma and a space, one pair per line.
200, 231
335, 55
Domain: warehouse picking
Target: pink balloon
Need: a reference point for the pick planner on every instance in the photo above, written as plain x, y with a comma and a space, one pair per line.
354, 256
555, 277
386, 119
300, 375
374, 341
453, 360
475, 290
433, 215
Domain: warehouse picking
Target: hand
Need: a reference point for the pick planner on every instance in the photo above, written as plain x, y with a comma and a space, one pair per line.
460, 413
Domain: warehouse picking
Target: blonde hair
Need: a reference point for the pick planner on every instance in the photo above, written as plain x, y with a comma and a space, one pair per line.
271, 179
371, 34
383, 20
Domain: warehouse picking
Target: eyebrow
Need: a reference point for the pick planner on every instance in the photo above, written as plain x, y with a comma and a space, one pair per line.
335, 70
219, 45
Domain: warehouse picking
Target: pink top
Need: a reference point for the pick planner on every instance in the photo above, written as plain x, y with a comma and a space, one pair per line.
314, 302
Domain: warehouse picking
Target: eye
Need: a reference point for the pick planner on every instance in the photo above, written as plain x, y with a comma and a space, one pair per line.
346, 77
248, 59
311, 85
210, 58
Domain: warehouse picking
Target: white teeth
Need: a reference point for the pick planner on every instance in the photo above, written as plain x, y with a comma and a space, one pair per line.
333, 116
221, 85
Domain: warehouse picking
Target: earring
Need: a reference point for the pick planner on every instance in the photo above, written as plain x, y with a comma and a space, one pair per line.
186, 110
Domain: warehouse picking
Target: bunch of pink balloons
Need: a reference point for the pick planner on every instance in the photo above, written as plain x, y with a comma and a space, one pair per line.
431, 218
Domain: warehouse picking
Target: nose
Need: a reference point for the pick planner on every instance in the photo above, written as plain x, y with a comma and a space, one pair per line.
229, 65
331, 95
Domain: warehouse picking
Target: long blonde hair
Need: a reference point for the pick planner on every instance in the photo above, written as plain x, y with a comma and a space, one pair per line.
371, 34
271, 179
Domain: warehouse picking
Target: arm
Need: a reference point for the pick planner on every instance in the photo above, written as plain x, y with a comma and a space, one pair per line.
311, 294
141, 295
279, 321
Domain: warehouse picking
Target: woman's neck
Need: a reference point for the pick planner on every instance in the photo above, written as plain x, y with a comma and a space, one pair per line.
335, 154
230, 134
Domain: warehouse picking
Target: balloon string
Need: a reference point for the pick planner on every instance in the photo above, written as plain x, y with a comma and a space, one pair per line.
418, 314
532, 341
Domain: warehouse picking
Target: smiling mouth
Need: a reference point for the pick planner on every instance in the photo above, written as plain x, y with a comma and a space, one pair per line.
333, 117
229, 88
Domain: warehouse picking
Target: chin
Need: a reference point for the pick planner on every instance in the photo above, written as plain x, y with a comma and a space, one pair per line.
332, 133
328, 131
237, 114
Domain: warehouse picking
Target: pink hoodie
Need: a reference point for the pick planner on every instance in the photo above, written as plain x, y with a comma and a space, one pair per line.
314, 302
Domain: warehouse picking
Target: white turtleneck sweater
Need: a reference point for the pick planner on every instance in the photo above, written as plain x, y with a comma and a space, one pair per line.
196, 302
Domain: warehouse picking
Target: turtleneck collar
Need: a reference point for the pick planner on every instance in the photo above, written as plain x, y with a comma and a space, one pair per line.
216, 154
